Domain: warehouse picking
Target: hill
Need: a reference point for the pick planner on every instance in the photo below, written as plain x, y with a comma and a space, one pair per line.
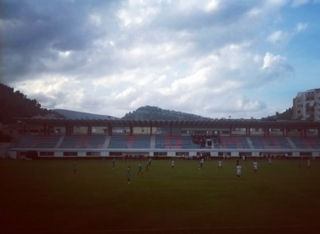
16, 104
69, 114
156, 113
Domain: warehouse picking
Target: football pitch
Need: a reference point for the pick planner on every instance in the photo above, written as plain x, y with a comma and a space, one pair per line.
45, 196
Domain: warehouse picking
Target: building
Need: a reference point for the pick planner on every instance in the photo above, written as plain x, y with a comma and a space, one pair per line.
306, 105
167, 138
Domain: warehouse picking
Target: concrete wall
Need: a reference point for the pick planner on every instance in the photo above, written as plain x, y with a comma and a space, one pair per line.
5, 150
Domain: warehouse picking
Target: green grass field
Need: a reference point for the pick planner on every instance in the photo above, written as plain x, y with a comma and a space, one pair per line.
46, 197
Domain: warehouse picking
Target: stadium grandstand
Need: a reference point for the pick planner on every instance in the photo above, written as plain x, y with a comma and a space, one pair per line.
62, 138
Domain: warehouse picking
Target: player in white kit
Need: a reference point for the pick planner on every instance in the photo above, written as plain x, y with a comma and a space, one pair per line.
201, 164
255, 166
219, 164
270, 161
239, 171
172, 164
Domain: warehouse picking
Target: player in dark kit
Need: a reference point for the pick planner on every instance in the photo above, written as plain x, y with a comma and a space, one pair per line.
75, 167
113, 163
147, 166
128, 175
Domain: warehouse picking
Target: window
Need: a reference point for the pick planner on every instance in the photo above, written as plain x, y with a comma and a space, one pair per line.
70, 153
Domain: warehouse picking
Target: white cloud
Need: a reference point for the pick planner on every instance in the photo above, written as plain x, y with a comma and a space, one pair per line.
195, 56
298, 3
278, 37
270, 61
212, 5
301, 26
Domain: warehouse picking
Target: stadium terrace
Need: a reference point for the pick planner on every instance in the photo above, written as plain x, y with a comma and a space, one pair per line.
62, 138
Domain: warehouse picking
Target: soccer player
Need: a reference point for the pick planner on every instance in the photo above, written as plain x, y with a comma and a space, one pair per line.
270, 161
113, 163
308, 163
172, 164
238, 171
128, 175
149, 162
140, 168
255, 166
74, 167
147, 166
219, 164
201, 163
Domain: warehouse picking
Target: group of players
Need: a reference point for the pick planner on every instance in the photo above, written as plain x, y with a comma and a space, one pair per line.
201, 162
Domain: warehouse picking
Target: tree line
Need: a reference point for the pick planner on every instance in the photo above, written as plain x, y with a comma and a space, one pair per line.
16, 104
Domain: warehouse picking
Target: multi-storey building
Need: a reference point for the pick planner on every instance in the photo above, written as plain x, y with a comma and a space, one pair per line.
306, 105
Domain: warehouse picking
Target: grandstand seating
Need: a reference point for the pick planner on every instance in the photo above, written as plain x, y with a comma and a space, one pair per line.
234, 142
83, 142
37, 141
162, 142
306, 142
270, 142
174, 142
129, 142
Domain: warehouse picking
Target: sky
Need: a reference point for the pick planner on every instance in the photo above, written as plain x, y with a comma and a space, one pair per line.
214, 58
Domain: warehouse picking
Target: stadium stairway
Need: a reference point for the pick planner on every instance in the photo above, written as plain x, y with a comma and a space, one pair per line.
153, 142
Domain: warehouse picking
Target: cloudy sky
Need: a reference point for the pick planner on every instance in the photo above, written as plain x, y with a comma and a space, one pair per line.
215, 58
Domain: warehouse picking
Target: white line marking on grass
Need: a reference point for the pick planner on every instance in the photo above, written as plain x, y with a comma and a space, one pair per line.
291, 190
175, 229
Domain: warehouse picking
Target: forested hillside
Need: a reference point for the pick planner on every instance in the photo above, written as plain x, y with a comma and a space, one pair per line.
156, 113
16, 104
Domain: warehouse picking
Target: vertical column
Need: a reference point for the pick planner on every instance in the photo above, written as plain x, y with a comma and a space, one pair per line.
131, 130
150, 128
247, 132
109, 130
67, 130
44, 129
88, 130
